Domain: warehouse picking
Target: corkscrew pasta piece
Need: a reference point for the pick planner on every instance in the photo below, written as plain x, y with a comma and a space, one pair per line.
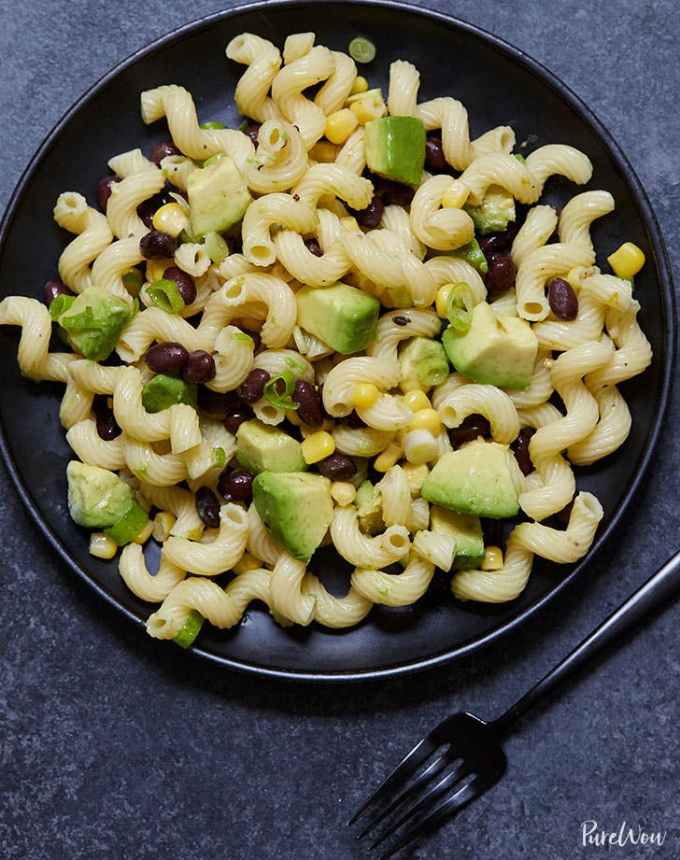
403, 89
127, 195
356, 547
263, 60
289, 84
277, 169
214, 558
335, 612
287, 596
487, 400
153, 588
394, 589
275, 294
158, 470
90, 448
93, 234
279, 209
333, 94
441, 228
389, 335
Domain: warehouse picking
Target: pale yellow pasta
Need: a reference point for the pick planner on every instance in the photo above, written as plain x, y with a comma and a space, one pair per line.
216, 557
441, 228
361, 441
151, 325
388, 413
403, 88
452, 270
323, 180
436, 547
338, 391
267, 413
36, 328
272, 209
537, 268
127, 195
177, 169
397, 220
233, 265
234, 355
353, 153
611, 430
180, 503
587, 327
223, 608
75, 406
538, 227
498, 586
566, 546
505, 305
487, 400
159, 470
113, 262
260, 543
452, 384
192, 258
357, 548
632, 355
395, 494
540, 386
421, 323
335, 612
263, 60
130, 413
558, 159
185, 432
280, 161
135, 574
419, 515
277, 361
272, 292
336, 89
306, 267
93, 235
177, 106
90, 448
579, 213
297, 45
310, 346
394, 589
287, 597
287, 91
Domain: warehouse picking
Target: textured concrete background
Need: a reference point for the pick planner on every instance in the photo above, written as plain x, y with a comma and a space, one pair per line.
111, 747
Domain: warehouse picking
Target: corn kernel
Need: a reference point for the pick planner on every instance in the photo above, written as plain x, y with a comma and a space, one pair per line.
442, 300
365, 395
162, 525
317, 447
246, 562
101, 546
155, 269
343, 492
388, 458
170, 219
627, 260
420, 447
360, 85
426, 419
456, 196
340, 125
368, 106
324, 152
493, 558
143, 536
417, 400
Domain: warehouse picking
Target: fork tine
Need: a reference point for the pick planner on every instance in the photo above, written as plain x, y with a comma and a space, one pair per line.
429, 797
443, 810
431, 770
405, 769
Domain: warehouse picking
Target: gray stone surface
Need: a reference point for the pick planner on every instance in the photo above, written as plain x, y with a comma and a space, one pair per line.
109, 750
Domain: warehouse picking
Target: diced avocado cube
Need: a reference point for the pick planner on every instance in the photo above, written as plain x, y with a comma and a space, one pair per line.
128, 526
260, 448
423, 363
215, 247
218, 197
164, 391
495, 350
494, 213
342, 316
472, 253
479, 478
466, 530
93, 322
368, 501
296, 507
395, 148
190, 629
97, 498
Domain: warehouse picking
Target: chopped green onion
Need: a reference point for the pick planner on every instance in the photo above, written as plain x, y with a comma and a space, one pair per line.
281, 399
519, 157
165, 295
460, 320
59, 304
190, 630
132, 281
128, 526
362, 50
212, 124
219, 458
242, 337
461, 296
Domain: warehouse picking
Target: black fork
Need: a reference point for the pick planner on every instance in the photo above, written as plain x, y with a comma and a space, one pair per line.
462, 757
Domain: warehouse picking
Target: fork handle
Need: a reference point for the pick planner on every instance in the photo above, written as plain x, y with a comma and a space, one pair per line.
658, 588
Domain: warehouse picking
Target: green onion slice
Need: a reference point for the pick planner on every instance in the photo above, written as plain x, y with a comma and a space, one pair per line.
362, 50
212, 124
278, 391
460, 320
190, 630
165, 295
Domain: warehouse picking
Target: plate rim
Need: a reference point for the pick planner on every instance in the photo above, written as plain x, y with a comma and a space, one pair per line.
669, 334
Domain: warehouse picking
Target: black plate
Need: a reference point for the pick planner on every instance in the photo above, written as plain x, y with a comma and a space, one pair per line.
499, 85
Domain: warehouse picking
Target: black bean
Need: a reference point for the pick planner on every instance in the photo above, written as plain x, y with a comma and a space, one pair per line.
401, 321
493, 532
562, 299
253, 385
371, 216
236, 417
393, 193
434, 154
207, 507
520, 446
313, 247
252, 130
157, 244
55, 288
200, 367
310, 408
337, 467
159, 151
104, 190
236, 485
107, 426
472, 427
216, 403
501, 275
147, 208
170, 358
185, 283
498, 243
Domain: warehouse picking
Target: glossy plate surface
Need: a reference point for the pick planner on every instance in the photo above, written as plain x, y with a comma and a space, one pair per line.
499, 85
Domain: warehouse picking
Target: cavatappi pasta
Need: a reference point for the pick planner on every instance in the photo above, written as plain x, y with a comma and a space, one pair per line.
324, 338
